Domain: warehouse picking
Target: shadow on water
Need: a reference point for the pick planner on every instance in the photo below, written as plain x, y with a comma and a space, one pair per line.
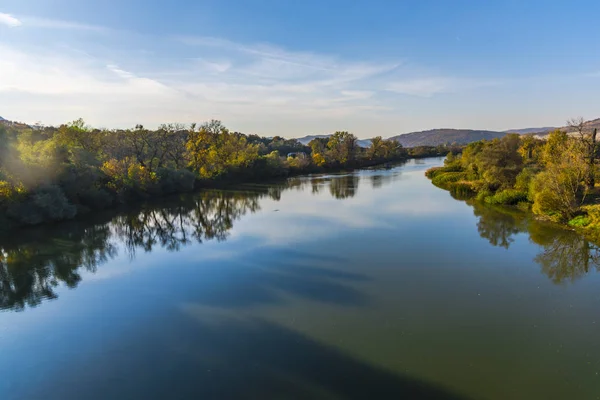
266, 281
212, 356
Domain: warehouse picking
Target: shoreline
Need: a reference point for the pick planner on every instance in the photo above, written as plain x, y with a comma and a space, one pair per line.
200, 186
591, 234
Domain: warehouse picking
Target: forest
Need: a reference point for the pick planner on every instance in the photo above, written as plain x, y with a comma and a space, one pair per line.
554, 177
49, 174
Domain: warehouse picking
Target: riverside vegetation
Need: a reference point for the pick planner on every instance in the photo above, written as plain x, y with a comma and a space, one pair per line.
49, 174
554, 178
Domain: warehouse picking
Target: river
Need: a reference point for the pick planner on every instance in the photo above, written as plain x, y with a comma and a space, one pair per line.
365, 285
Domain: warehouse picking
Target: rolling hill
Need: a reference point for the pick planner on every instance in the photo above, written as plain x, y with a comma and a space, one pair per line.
435, 137
527, 131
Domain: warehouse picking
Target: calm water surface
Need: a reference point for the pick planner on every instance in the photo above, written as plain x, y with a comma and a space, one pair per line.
373, 284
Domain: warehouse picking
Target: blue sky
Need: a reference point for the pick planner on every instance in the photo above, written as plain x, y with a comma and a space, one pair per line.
301, 67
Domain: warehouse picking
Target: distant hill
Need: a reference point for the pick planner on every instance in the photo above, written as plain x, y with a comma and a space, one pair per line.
589, 125
436, 137
527, 131
2, 119
306, 140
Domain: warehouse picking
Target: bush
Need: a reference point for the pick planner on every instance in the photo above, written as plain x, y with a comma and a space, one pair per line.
128, 176
443, 179
9, 192
524, 179
461, 190
176, 181
435, 171
483, 194
580, 221
96, 198
509, 197
46, 204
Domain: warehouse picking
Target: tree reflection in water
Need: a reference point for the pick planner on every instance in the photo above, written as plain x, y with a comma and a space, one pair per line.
37, 261
565, 256
34, 262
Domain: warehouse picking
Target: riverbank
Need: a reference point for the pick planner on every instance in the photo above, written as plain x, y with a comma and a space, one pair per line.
135, 199
586, 222
53, 174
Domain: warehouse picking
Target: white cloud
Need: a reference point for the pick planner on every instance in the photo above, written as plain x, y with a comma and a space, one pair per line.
121, 80
45, 23
9, 20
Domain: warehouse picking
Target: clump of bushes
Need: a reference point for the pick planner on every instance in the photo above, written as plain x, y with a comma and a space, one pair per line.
580, 221
176, 181
461, 190
443, 179
47, 203
509, 197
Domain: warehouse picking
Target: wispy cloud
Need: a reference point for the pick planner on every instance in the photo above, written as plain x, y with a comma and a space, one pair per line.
45, 23
9, 20
427, 87
187, 79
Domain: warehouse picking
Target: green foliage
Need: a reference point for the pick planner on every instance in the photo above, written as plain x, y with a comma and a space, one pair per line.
580, 221
500, 161
47, 203
342, 147
551, 177
442, 179
93, 168
524, 179
176, 181
461, 190
509, 197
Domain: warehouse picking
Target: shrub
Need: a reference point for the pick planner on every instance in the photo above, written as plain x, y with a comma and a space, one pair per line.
176, 181
435, 171
46, 204
483, 194
96, 198
509, 197
524, 179
128, 175
580, 221
9, 192
461, 190
443, 179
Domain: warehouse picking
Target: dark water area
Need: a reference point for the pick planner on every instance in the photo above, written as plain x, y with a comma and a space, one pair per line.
372, 284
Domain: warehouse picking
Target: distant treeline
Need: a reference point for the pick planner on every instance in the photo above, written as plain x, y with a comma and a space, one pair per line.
555, 178
54, 173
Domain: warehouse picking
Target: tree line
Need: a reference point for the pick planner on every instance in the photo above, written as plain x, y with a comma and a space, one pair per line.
54, 173
554, 177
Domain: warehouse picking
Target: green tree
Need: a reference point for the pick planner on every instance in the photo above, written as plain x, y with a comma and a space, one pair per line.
501, 162
589, 146
342, 146
559, 190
